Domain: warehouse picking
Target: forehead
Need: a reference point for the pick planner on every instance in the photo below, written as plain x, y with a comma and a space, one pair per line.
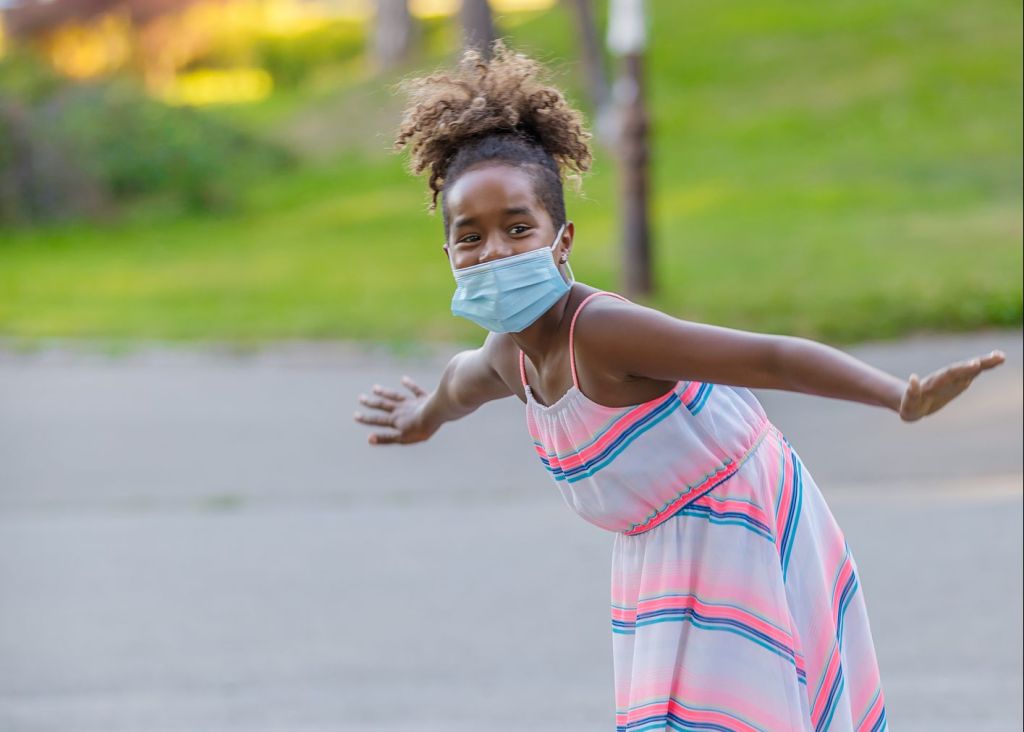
488, 190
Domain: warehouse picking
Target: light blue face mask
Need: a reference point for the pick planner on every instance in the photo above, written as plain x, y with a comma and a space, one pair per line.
507, 295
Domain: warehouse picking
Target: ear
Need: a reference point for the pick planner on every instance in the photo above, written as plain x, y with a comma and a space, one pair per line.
567, 238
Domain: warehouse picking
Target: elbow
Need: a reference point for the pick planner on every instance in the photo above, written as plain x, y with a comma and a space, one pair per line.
459, 386
452, 381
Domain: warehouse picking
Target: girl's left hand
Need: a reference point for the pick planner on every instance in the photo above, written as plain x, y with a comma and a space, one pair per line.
924, 396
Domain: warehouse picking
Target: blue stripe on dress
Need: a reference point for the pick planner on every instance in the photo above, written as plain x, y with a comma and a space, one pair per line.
795, 505
849, 590
704, 601
831, 706
881, 725
704, 622
731, 518
871, 705
700, 398
620, 443
601, 431
676, 722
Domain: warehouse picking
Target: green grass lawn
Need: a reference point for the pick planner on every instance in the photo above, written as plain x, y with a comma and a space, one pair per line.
840, 170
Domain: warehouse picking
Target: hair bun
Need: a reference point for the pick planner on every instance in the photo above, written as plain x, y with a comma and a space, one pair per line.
506, 94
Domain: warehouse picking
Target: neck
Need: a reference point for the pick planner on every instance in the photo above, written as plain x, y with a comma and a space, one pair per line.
543, 334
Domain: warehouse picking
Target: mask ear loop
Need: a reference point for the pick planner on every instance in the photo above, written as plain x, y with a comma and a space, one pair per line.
451, 260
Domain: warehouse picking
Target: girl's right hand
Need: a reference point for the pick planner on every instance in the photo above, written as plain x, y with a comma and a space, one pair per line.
401, 413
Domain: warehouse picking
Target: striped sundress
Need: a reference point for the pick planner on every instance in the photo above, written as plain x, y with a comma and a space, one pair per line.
735, 601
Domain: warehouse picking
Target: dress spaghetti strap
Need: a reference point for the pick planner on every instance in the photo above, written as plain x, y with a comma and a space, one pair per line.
572, 328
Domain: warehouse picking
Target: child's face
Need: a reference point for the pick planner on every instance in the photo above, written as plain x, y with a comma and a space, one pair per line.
494, 213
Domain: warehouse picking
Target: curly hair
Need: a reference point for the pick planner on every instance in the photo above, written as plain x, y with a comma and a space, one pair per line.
498, 110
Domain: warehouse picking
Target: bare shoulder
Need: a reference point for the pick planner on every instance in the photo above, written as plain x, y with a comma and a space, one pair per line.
601, 326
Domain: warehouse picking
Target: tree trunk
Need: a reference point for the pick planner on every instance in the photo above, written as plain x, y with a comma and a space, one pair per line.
594, 70
634, 156
477, 26
627, 38
395, 34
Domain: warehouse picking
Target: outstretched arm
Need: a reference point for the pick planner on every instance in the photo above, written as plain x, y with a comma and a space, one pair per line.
469, 380
655, 345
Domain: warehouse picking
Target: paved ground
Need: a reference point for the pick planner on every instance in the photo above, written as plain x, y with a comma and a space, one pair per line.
195, 541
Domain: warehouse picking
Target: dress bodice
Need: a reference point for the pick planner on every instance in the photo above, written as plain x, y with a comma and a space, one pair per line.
629, 468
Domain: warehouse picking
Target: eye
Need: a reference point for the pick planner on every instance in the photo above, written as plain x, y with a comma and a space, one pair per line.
520, 226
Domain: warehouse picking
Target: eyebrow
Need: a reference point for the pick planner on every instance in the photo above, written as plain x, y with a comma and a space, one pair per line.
463, 220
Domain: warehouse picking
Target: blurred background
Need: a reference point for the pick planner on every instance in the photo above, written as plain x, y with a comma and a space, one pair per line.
208, 250
221, 169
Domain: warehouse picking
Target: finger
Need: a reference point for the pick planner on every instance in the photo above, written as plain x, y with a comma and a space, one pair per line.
388, 393
413, 386
981, 363
377, 419
993, 359
381, 404
383, 438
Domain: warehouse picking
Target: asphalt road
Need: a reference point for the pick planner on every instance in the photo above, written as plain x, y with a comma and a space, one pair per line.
194, 540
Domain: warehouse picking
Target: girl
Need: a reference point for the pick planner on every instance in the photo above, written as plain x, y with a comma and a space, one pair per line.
735, 600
